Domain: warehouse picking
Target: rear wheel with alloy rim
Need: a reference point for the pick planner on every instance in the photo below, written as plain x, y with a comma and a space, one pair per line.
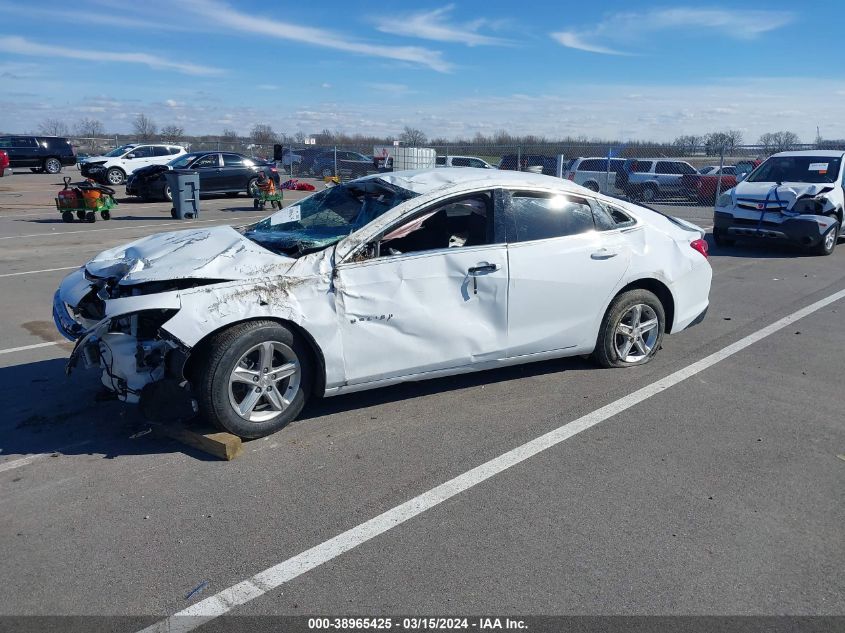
168, 195
254, 379
631, 331
52, 165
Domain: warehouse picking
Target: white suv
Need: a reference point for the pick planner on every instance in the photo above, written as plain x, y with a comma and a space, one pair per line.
114, 167
593, 173
462, 161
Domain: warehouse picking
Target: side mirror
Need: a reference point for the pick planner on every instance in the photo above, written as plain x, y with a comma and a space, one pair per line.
130, 156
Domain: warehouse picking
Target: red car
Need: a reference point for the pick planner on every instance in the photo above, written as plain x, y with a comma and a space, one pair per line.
4, 162
703, 187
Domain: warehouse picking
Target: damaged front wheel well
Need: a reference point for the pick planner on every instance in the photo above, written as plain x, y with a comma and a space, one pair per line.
662, 292
200, 350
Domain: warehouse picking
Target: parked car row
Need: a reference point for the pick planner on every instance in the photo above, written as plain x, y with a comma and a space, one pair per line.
219, 172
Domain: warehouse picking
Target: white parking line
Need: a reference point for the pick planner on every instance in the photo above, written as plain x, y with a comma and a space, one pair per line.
23, 461
33, 272
12, 350
271, 578
125, 228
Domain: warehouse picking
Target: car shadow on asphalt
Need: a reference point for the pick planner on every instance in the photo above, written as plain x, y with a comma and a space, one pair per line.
319, 407
48, 412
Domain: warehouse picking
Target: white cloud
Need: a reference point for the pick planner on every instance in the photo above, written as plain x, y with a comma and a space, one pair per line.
573, 40
325, 85
21, 46
224, 15
632, 28
432, 25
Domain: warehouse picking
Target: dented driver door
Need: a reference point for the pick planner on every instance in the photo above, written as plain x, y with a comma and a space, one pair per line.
423, 311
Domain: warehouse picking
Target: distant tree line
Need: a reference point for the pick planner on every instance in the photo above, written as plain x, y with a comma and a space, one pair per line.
262, 134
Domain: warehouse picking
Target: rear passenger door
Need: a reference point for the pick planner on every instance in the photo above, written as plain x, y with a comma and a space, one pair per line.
562, 271
235, 173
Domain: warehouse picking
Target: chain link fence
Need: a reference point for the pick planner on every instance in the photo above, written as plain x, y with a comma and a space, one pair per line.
671, 174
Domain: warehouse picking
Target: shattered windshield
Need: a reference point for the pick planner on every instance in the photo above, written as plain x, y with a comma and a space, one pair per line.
119, 151
326, 217
812, 169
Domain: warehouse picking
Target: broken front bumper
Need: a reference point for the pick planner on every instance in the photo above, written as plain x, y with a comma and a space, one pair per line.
804, 230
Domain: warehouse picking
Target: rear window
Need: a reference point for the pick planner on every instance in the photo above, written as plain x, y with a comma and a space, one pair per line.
611, 217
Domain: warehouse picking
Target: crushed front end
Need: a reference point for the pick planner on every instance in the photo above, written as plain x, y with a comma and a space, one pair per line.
119, 330
801, 215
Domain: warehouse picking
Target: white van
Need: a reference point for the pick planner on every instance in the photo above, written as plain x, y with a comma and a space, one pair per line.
593, 173
114, 167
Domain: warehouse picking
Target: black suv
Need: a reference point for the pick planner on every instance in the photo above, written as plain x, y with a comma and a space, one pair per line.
39, 153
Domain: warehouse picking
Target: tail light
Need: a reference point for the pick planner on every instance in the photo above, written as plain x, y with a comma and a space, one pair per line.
700, 246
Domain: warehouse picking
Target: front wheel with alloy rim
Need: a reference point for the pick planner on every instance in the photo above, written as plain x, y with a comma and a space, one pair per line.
254, 378
52, 165
631, 331
828, 241
115, 176
252, 187
168, 195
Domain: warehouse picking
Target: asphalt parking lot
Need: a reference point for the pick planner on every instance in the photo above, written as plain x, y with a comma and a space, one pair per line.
717, 491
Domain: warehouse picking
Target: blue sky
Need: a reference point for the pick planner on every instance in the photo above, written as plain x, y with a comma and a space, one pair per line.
611, 69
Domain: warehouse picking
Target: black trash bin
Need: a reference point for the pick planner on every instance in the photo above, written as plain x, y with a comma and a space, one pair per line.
185, 190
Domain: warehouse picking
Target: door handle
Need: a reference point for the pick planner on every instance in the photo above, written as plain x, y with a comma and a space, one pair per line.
604, 253
482, 269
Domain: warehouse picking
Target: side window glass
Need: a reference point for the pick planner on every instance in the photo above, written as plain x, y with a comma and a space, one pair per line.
542, 216
642, 166
466, 221
460, 162
683, 168
209, 160
142, 152
440, 160
665, 167
158, 150
232, 160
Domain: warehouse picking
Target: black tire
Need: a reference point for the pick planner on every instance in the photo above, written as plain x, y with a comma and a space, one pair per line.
255, 203
173, 214
648, 193
828, 242
115, 176
67, 216
52, 165
90, 217
80, 215
251, 187
606, 352
106, 215
592, 186
168, 195
219, 358
721, 239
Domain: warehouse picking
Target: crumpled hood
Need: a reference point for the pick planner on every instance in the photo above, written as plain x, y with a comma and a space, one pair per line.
219, 253
787, 192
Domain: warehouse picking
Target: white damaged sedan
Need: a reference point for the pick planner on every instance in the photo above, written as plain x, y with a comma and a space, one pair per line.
392, 277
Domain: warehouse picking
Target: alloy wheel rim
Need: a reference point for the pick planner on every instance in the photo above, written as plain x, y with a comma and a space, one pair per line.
264, 381
636, 333
115, 177
53, 165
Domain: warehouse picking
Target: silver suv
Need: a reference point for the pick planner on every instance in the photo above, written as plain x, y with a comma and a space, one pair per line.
650, 178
